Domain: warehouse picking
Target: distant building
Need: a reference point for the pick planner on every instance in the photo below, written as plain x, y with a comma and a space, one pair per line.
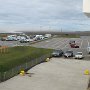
86, 7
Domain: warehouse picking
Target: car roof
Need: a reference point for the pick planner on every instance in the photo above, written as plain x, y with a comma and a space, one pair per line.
79, 52
69, 52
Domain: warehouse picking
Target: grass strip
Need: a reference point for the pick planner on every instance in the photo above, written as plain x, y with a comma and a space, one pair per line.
20, 55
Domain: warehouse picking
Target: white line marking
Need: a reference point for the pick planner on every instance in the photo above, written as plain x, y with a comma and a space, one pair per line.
62, 43
65, 46
81, 43
88, 42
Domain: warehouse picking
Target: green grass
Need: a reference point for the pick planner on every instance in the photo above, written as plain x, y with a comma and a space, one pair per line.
19, 55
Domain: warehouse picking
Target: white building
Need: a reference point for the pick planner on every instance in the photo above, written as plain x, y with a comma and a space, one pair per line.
86, 7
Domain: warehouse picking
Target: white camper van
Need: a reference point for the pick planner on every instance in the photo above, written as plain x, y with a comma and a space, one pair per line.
88, 49
11, 38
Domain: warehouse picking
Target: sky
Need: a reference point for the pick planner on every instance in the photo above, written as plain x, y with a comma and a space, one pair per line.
65, 15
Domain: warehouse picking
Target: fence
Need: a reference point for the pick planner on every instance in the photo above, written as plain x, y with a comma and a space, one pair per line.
14, 71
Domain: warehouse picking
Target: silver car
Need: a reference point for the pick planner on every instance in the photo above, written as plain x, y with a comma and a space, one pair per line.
79, 55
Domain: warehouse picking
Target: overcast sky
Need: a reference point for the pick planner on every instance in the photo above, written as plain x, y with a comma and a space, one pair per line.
42, 14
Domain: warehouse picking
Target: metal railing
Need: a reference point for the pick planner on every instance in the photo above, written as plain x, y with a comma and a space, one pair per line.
14, 71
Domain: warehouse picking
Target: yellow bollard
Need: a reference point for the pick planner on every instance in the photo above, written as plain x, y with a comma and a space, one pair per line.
47, 59
22, 73
86, 72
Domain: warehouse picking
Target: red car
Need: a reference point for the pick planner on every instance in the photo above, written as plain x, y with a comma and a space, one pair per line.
74, 46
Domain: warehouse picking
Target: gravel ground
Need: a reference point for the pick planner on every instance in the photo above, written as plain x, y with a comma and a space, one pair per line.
57, 74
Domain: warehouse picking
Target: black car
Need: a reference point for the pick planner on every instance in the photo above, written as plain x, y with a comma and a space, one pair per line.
68, 54
57, 53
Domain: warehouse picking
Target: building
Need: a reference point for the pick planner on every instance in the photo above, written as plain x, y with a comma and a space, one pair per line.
86, 7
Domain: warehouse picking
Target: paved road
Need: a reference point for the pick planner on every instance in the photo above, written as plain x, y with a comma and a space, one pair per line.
57, 74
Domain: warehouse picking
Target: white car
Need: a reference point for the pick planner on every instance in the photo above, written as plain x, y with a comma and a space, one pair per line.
79, 55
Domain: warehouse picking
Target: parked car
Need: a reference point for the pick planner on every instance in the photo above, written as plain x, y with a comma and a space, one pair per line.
57, 53
79, 55
68, 53
23, 41
26, 40
74, 46
3, 39
11, 38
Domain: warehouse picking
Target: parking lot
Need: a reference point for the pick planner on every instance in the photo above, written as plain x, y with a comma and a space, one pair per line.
63, 43
57, 43
58, 73
12, 43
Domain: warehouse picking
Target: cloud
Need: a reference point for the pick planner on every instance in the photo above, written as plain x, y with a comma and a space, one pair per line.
19, 14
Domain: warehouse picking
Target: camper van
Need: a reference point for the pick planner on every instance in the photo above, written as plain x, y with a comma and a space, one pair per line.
11, 38
88, 49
